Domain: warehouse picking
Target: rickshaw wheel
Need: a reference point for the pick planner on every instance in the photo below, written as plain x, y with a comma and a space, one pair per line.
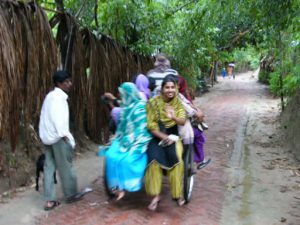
188, 180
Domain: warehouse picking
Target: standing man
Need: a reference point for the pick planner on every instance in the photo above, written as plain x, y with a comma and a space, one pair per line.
59, 142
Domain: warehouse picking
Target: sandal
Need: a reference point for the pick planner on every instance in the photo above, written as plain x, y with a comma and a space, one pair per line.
153, 205
75, 197
53, 204
203, 164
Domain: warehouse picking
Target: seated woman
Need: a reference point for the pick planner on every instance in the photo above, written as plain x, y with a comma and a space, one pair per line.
142, 84
164, 113
198, 125
126, 158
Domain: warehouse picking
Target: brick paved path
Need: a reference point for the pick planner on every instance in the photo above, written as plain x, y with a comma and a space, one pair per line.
224, 107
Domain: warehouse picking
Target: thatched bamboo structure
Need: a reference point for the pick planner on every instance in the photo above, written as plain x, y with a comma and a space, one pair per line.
28, 60
108, 65
29, 55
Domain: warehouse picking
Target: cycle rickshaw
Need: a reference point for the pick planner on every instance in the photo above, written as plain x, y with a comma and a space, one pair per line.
188, 179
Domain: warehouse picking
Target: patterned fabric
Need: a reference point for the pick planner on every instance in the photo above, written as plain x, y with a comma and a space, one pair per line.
126, 158
156, 110
124, 170
131, 132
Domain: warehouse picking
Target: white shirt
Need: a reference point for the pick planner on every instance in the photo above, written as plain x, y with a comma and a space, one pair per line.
54, 118
159, 76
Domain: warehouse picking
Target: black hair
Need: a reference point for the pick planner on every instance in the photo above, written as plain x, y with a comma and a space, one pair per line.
152, 84
169, 78
60, 76
133, 79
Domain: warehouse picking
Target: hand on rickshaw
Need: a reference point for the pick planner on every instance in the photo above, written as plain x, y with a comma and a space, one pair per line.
166, 142
199, 115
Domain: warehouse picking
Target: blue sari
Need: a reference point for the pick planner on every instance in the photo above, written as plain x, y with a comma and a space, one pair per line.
126, 158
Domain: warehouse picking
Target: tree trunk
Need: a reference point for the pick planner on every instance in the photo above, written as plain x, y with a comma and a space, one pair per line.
211, 75
95, 14
215, 70
282, 71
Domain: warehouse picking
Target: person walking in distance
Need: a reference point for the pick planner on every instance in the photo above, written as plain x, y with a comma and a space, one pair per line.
59, 142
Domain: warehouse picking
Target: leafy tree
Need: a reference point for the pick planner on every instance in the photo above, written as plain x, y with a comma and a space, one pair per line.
199, 34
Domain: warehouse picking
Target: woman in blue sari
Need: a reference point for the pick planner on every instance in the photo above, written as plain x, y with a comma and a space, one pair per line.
126, 158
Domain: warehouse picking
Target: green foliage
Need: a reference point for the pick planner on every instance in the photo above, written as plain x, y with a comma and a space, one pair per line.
290, 83
225, 56
246, 58
275, 83
197, 33
264, 77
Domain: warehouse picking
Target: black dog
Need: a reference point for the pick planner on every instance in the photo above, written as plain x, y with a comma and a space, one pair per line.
40, 168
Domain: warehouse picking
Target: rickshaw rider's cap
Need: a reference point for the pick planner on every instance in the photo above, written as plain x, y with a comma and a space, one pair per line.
60, 76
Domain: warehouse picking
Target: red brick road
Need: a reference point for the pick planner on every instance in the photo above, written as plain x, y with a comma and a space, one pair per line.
224, 107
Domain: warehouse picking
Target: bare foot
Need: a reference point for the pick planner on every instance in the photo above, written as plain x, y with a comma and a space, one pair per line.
180, 202
121, 195
154, 203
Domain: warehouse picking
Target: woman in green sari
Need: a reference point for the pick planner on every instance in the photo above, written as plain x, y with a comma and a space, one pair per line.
164, 113
126, 158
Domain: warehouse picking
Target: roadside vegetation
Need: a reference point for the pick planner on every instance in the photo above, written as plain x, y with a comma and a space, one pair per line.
201, 36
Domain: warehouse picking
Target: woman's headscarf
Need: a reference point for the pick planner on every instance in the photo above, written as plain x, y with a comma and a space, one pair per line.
142, 84
156, 108
129, 94
131, 132
183, 88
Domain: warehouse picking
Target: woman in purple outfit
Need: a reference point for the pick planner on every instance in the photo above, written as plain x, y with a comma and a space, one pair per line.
197, 119
142, 84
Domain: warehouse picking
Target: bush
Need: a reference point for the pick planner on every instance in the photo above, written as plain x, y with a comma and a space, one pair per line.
264, 77
246, 59
275, 83
292, 81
